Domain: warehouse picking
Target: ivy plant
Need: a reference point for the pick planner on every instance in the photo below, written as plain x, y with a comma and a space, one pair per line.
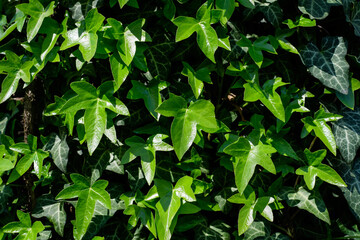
178, 119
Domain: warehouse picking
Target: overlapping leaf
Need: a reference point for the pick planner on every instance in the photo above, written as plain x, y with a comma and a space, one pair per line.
247, 156
52, 210
37, 14
88, 194
207, 38
31, 155
321, 128
150, 93
16, 68
85, 36
94, 101
146, 151
317, 169
24, 228
347, 134
267, 95
199, 115
328, 64
308, 201
316, 9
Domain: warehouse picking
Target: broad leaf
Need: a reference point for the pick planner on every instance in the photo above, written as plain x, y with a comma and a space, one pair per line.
309, 201
196, 78
88, 194
321, 128
37, 15
247, 156
328, 64
31, 155
347, 134
273, 12
146, 151
85, 36
24, 228
16, 68
267, 95
316, 169
207, 38
53, 210
59, 150
94, 101
316, 9
187, 120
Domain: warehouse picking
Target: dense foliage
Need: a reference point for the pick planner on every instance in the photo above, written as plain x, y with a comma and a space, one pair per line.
179, 119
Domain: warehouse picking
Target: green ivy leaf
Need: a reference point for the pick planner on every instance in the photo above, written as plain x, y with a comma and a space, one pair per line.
94, 101
300, 22
273, 12
247, 156
207, 38
321, 128
308, 201
316, 169
150, 93
228, 6
119, 70
316, 9
200, 114
31, 155
255, 48
170, 203
85, 36
328, 64
267, 95
59, 150
146, 151
88, 194
347, 134
24, 228
37, 15
16, 68
196, 78
53, 210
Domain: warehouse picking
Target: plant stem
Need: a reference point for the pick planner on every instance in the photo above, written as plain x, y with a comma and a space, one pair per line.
312, 143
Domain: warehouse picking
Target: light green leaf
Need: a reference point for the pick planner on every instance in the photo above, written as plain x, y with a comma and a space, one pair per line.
34, 155
127, 44
16, 68
246, 218
119, 70
328, 64
37, 15
300, 22
85, 36
267, 95
247, 156
228, 6
183, 189
321, 128
316, 9
196, 78
186, 27
309, 201
94, 101
88, 194
24, 228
